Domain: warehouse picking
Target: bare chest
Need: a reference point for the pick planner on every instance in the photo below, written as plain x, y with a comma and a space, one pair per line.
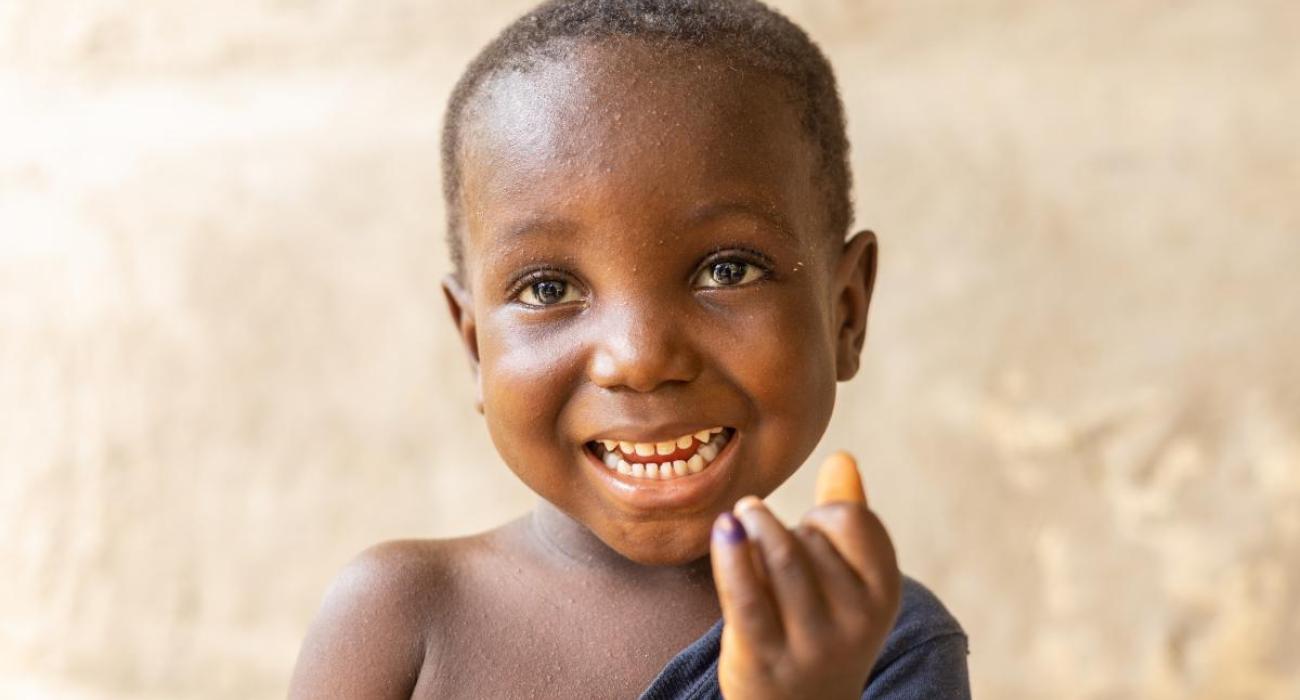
557, 646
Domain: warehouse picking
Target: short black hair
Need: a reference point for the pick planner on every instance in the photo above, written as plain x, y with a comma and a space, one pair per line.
754, 33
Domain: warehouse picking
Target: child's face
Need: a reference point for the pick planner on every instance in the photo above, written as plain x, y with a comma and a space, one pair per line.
645, 258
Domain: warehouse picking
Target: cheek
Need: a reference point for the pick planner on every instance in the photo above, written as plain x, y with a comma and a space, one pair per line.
527, 376
785, 363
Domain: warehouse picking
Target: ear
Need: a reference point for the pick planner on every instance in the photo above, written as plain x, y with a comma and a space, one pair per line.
855, 278
462, 314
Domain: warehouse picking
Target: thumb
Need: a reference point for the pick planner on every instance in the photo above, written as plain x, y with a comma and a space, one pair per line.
838, 480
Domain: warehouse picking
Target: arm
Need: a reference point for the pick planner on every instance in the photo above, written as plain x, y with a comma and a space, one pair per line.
925, 654
368, 640
933, 669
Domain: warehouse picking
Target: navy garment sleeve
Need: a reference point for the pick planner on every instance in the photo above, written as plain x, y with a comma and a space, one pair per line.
924, 657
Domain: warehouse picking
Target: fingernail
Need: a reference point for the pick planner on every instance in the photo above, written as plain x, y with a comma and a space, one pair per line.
728, 529
747, 503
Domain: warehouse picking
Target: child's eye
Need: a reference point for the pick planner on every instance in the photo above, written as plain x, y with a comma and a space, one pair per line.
547, 291
730, 272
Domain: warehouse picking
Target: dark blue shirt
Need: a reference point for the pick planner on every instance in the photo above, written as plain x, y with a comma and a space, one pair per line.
924, 657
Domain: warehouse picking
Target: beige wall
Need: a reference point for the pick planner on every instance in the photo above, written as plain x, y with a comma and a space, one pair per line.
225, 368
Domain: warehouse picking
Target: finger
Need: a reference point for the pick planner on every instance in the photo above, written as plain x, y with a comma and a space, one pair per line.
838, 480
746, 606
760, 567
799, 599
860, 538
843, 589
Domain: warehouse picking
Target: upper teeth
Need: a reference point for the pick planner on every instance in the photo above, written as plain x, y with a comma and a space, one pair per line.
623, 456
666, 447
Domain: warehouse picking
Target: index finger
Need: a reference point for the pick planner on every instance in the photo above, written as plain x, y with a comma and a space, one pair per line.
747, 606
838, 481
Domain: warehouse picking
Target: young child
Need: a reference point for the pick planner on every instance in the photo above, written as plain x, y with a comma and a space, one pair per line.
648, 203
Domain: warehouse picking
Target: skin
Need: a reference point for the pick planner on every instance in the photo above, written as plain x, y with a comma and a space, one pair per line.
627, 173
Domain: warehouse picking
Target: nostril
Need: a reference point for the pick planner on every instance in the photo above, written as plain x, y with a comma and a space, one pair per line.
642, 363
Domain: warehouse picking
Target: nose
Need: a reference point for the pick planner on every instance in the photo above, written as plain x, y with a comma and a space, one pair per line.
642, 349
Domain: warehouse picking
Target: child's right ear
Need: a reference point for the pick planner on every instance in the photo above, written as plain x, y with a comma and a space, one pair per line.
462, 314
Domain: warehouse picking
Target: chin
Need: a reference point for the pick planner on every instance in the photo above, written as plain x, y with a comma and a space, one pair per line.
674, 546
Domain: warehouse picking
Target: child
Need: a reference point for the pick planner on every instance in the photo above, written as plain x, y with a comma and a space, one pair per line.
647, 204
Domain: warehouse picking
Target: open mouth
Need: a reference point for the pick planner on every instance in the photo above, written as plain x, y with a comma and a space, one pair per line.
670, 459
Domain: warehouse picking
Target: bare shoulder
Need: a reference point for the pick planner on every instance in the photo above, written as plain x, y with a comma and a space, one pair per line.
372, 633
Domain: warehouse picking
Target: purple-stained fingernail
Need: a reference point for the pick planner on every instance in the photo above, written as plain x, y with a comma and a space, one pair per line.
728, 529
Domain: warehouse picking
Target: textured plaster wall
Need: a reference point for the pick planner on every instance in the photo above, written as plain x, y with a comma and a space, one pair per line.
225, 367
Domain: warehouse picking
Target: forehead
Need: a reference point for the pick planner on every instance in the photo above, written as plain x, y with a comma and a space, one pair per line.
628, 127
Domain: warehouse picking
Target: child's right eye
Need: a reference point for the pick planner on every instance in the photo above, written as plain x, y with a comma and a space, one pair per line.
547, 291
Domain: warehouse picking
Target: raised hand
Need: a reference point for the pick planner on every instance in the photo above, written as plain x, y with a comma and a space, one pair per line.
806, 610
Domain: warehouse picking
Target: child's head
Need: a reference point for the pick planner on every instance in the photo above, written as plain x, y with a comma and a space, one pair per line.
647, 204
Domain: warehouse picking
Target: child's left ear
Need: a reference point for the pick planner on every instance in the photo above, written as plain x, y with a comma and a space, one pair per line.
855, 278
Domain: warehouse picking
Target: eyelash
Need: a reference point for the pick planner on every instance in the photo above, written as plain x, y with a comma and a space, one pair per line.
749, 256
721, 254
534, 275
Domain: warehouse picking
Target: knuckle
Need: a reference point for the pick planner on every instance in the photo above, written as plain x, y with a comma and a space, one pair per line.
784, 557
773, 656
853, 514
858, 592
842, 516
805, 532
812, 540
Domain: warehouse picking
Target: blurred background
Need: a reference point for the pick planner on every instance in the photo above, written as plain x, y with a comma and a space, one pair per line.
225, 364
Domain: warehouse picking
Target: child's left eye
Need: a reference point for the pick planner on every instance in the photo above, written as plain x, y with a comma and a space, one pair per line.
547, 291
728, 273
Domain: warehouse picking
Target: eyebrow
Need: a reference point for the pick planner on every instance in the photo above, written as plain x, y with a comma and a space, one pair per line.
539, 224
714, 210
701, 214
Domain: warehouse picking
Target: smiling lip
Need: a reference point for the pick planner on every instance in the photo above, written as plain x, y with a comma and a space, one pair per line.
679, 491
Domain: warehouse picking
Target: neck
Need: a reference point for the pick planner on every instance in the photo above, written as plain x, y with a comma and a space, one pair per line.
571, 544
